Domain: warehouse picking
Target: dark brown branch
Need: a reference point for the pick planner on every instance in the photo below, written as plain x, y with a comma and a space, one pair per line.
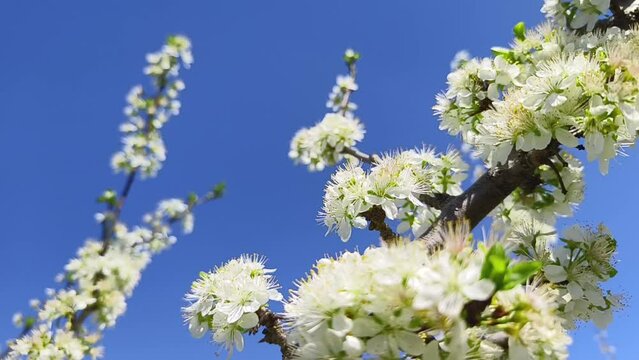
490, 190
436, 201
377, 222
618, 13
274, 332
558, 174
620, 18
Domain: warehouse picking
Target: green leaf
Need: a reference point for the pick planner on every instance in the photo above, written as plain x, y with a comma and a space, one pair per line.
520, 272
218, 190
192, 198
29, 322
505, 53
495, 265
520, 31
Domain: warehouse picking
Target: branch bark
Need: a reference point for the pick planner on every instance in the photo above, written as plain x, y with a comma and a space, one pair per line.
360, 155
489, 191
274, 332
377, 222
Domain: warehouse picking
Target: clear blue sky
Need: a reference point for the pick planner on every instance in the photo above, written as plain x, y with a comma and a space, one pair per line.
262, 70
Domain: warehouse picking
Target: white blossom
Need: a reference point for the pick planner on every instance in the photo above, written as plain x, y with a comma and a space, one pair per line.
226, 300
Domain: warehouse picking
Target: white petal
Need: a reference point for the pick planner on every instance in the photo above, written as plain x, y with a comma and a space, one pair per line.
566, 138
410, 343
248, 321
555, 273
480, 290
353, 346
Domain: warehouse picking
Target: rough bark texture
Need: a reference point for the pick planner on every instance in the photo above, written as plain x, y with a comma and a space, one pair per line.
274, 332
490, 190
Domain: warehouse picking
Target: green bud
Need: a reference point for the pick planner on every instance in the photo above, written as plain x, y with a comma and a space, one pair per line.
520, 31
218, 190
351, 56
192, 199
109, 197
29, 321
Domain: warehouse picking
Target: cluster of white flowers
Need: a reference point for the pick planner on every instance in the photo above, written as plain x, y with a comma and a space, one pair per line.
323, 144
578, 268
345, 84
553, 85
42, 343
143, 149
576, 13
168, 212
394, 183
401, 300
226, 301
538, 332
99, 281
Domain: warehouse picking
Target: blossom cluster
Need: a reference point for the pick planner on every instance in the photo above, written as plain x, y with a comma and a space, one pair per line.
226, 301
551, 86
323, 144
42, 343
98, 282
576, 266
395, 184
143, 149
399, 301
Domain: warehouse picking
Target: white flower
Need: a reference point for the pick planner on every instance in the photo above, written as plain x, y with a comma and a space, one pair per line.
588, 13
322, 144
226, 300
446, 285
344, 201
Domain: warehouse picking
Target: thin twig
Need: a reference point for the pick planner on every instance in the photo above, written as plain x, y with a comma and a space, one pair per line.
352, 71
361, 156
556, 171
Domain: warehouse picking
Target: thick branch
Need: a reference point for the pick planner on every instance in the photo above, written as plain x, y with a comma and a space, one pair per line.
274, 332
623, 16
490, 190
436, 201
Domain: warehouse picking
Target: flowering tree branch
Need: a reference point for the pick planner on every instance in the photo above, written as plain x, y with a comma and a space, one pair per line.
489, 191
443, 294
106, 271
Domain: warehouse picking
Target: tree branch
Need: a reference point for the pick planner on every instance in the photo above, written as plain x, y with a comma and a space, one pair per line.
377, 222
436, 201
489, 191
274, 332
361, 156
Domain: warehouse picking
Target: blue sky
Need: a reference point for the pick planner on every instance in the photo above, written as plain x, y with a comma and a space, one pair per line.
262, 70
